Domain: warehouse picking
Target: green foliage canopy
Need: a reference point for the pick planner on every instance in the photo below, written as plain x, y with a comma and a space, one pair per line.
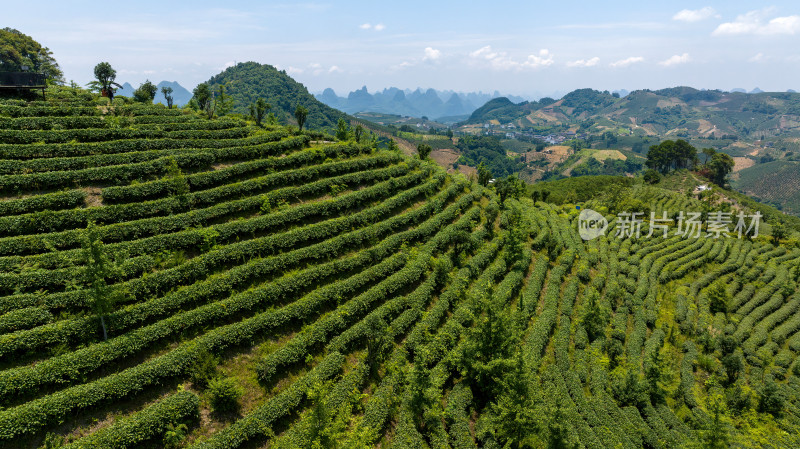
18, 49
145, 93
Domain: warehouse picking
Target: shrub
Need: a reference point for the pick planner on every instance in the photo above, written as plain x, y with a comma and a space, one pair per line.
175, 435
224, 394
652, 177
52, 441
204, 369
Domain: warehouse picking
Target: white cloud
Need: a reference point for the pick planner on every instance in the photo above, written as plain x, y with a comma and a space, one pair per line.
501, 61
431, 54
757, 58
316, 68
675, 60
335, 69
294, 70
627, 61
695, 15
485, 52
755, 22
584, 62
544, 58
369, 26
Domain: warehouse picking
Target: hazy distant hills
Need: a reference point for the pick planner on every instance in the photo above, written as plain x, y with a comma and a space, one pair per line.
180, 96
418, 103
678, 111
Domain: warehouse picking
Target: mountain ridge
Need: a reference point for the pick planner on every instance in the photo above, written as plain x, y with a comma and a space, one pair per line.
418, 103
682, 111
180, 95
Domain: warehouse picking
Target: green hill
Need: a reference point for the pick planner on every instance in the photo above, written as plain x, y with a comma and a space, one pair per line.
258, 289
248, 81
776, 182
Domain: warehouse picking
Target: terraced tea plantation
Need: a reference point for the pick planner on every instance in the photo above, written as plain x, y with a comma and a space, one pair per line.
173, 281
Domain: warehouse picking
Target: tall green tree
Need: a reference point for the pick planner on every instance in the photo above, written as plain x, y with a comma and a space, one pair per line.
420, 400
358, 133
594, 317
258, 110
18, 49
515, 237
104, 80
300, 114
167, 92
770, 398
223, 103
342, 130
656, 374
424, 150
557, 434
203, 97
715, 435
509, 187
779, 233
719, 167
145, 93
628, 388
515, 411
320, 417
486, 354
718, 297
484, 175
377, 342
178, 185
100, 268
709, 153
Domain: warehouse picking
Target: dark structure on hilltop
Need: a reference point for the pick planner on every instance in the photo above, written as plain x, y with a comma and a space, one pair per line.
23, 81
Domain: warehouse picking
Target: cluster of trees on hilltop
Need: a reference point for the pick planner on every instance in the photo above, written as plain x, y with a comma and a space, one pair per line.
606, 167
672, 155
588, 100
246, 82
487, 150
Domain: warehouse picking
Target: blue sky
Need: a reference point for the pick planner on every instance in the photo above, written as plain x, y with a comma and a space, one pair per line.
528, 48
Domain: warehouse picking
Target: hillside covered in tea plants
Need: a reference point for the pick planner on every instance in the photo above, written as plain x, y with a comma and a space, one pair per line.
167, 280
